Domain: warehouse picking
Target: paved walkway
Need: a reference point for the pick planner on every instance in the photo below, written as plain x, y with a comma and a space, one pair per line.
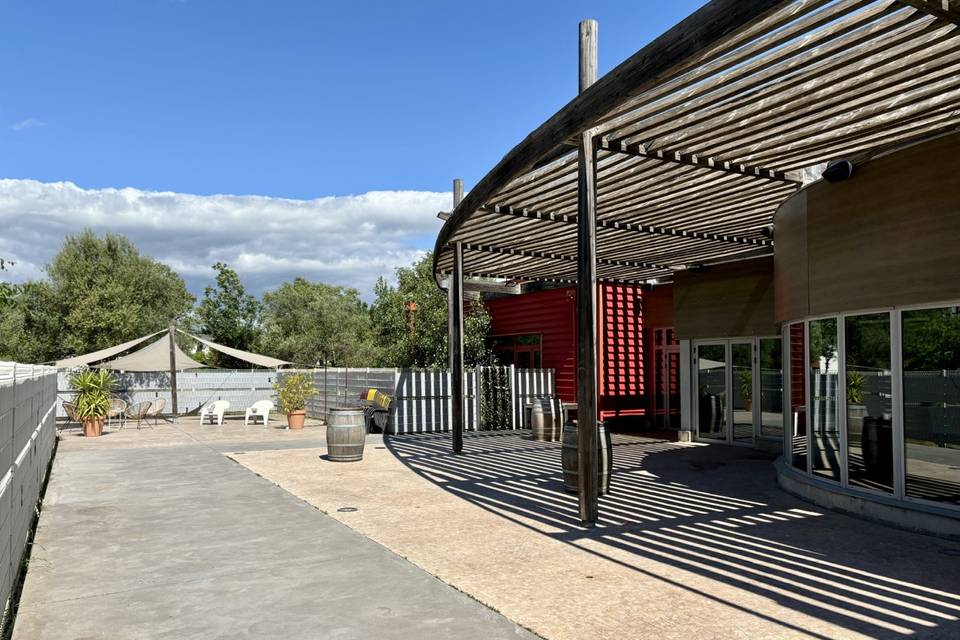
157, 534
695, 541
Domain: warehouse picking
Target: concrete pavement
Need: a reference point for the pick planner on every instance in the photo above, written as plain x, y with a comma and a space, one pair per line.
158, 535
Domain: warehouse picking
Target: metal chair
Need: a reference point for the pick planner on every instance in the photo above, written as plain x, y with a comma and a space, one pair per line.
71, 411
156, 408
138, 412
117, 409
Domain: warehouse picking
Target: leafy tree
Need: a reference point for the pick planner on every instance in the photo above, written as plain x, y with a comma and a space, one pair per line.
100, 291
228, 314
426, 345
309, 322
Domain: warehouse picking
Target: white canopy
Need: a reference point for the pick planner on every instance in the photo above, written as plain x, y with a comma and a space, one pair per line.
153, 357
239, 354
102, 354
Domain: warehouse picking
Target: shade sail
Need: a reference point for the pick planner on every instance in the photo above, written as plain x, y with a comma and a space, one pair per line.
702, 134
153, 357
102, 354
239, 354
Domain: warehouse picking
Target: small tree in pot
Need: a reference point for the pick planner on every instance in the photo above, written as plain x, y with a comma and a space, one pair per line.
93, 398
293, 391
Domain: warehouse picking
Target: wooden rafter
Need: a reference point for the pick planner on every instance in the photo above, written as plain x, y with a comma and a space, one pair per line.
693, 160
945, 9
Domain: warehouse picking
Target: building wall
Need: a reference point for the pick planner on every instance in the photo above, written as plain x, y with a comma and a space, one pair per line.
725, 301
887, 236
552, 314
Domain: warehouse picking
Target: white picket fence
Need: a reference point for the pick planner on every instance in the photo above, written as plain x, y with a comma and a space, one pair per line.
422, 402
28, 398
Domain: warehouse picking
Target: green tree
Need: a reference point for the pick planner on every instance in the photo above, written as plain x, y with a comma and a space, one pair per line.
228, 314
100, 291
309, 322
426, 345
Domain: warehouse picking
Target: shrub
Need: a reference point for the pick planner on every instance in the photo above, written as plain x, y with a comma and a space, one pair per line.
93, 397
293, 391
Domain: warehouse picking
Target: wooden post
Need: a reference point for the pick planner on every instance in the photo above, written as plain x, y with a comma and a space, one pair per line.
455, 325
171, 332
588, 476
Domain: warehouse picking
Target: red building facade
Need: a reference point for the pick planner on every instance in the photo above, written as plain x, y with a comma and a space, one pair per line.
538, 329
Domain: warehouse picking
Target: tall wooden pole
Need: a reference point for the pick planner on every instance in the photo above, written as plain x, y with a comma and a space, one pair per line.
455, 301
173, 372
588, 476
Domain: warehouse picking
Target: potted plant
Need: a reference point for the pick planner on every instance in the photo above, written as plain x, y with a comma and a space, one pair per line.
93, 399
293, 391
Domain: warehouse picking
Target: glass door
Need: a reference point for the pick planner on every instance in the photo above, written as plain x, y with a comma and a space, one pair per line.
712, 396
741, 392
666, 379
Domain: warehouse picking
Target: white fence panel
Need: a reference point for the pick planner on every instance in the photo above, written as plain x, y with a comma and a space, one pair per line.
28, 398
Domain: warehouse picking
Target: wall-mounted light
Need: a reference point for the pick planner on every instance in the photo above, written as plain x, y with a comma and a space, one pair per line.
837, 171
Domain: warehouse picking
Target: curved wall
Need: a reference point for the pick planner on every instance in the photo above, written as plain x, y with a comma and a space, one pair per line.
888, 236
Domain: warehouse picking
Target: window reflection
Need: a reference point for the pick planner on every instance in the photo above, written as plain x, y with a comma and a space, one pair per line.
711, 382
931, 403
741, 355
798, 395
824, 427
869, 401
771, 388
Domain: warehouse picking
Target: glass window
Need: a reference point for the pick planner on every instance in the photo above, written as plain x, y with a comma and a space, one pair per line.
798, 395
931, 403
824, 427
741, 356
712, 385
869, 401
771, 388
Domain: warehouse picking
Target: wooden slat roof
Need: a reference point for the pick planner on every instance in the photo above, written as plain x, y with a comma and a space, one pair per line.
707, 130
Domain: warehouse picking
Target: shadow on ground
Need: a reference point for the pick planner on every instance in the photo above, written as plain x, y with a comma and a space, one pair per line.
715, 511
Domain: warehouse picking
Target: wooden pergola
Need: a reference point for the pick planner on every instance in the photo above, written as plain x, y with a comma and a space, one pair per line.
680, 156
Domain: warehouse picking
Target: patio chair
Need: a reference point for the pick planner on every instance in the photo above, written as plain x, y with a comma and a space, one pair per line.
214, 410
138, 412
71, 411
260, 409
116, 411
156, 408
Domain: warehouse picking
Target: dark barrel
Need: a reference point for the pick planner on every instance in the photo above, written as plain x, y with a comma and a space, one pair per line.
346, 433
545, 420
569, 457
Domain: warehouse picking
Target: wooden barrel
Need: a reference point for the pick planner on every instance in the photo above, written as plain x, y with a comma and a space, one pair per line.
543, 420
346, 433
570, 460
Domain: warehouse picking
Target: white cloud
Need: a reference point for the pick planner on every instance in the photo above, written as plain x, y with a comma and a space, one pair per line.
344, 240
28, 123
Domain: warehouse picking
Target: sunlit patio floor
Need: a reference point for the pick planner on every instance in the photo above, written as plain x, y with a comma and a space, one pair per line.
695, 542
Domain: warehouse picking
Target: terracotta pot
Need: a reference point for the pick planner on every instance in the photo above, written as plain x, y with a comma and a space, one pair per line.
93, 427
295, 419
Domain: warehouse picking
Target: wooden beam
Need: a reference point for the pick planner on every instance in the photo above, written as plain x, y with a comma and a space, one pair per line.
677, 50
588, 467
627, 226
455, 344
692, 159
948, 10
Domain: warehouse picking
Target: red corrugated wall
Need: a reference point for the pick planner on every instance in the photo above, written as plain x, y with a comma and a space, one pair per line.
552, 314
621, 362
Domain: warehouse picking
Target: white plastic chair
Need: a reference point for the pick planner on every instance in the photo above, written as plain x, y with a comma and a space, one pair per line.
260, 409
214, 410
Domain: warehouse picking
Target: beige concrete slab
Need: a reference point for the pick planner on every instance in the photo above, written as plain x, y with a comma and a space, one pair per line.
696, 541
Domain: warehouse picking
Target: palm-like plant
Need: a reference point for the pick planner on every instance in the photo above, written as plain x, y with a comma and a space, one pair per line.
93, 393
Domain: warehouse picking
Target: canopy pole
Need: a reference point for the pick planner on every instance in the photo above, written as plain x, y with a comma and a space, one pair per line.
455, 338
587, 476
173, 372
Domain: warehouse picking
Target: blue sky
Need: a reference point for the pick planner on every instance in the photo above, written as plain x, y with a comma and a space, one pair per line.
289, 100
